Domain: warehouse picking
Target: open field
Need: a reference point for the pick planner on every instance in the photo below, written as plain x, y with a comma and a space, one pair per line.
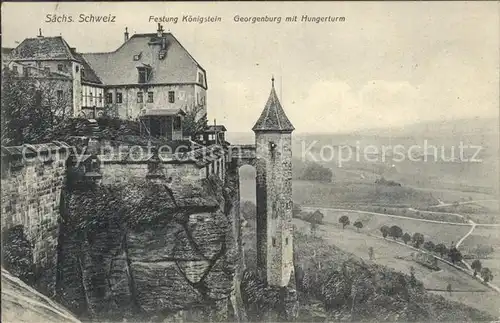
335, 194
435, 232
486, 236
386, 253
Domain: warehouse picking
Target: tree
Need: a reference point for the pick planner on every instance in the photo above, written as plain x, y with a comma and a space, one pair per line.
429, 245
413, 280
406, 237
316, 172
441, 249
344, 220
32, 108
395, 232
486, 274
316, 217
417, 239
455, 255
385, 230
195, 121
358, 225
476, 265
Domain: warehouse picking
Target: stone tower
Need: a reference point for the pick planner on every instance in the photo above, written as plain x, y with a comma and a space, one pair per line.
273, 139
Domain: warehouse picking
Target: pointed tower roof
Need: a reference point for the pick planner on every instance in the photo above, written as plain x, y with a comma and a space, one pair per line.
273, 118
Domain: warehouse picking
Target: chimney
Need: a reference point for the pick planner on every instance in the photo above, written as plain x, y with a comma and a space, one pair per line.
126, 34
160, 30
40, 33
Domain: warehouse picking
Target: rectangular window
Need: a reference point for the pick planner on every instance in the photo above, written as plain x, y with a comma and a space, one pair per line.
25, 72
150, 97
91, 98
109, 97
46, 69
201, 78
177, 123
59, 95
274, 242
119, 97
171, 96
142, 75
60, 67
100, 97
14, 69
286, 241
140, 97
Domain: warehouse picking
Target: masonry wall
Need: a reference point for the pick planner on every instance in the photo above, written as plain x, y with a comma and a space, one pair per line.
274, 206
185, 97
31, 192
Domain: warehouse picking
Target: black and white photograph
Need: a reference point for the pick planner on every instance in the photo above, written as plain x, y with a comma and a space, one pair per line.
270, 161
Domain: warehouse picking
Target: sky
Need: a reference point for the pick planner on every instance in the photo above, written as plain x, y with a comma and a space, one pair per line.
387, 64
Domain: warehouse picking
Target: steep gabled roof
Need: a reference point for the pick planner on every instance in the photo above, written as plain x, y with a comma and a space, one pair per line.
120, 68
273, 118
43, 48
89, 75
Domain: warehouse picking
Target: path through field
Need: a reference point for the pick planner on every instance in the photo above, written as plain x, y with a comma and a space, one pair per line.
399, 257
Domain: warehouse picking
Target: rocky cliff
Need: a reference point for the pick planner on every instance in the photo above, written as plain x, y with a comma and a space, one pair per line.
22, 303
147, 250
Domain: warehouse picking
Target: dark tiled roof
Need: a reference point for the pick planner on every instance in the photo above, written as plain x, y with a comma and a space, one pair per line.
212, 129
89, 75
43, 48
120, 68
273, 118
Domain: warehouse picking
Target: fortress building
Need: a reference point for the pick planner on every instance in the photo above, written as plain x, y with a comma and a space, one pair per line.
150, 76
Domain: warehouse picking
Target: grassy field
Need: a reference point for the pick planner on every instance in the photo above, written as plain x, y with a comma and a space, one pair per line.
489, 236
399, 258
435, 232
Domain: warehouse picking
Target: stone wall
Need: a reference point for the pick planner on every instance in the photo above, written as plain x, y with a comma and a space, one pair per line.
33, 177
274, 206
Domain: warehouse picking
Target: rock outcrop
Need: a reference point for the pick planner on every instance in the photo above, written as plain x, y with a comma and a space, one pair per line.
147, 251
22, 303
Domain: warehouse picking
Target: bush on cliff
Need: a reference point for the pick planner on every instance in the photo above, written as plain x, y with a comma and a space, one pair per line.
17, 256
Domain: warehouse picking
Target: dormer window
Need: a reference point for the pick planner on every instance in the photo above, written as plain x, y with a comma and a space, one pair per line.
60, 67
144, 73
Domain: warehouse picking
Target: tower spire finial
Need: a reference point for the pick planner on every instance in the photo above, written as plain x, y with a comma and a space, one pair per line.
272, 80
40, 32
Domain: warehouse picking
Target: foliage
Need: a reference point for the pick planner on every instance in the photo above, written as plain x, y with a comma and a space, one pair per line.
316, 172
417, 239
385, 230
358, 225
395, 232
353, 290
455, 255
383, 181
441, 249
344, 220
31, 108
406, 237
429, 245
486, 274
17, 255
476, 265
193, 122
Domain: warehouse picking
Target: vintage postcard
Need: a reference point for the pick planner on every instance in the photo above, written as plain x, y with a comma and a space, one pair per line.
250, 162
